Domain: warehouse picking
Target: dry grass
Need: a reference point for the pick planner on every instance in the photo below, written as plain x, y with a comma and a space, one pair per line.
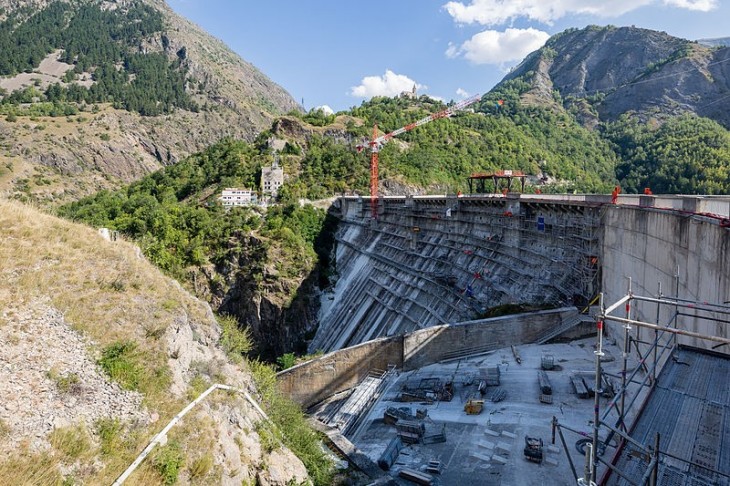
110, 294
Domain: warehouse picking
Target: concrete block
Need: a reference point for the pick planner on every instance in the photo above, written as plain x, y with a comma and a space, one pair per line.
508, 434
479, 456
553, 449
500, 459
486, 444
491, 432
503, 446
551, 460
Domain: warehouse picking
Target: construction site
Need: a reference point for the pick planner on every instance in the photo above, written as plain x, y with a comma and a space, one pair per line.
607, 361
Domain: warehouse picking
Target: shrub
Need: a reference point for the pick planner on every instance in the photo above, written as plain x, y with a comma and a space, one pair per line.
234, 340
168, 460
286, 361
291, 426
119, 360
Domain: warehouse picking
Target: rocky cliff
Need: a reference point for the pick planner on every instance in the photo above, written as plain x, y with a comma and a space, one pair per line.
628, 69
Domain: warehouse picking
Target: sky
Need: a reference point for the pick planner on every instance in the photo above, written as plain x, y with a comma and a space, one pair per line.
339, 53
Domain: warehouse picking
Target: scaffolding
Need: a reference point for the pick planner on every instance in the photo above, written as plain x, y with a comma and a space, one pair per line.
654, 352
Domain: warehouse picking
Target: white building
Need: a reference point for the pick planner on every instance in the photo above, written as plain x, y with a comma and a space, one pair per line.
233, 196
272, 179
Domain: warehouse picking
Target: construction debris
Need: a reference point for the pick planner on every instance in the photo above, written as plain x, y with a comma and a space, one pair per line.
410, 431
434, 467
436, 438
474, 406
491, 376
498, 395
416, 476
516, 354
545, 386
392, 415
580, 387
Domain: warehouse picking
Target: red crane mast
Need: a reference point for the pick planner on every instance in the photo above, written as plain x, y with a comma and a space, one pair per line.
377, 142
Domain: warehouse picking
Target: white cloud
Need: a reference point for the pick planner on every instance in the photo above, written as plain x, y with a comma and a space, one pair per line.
390, 84
462, 93
701, 5
498, 12
494, 47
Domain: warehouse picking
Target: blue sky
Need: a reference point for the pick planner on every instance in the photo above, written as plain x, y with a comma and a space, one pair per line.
340, 53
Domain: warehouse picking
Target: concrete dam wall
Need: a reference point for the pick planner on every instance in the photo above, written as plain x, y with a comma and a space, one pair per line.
429, 261
407, 280
684, 253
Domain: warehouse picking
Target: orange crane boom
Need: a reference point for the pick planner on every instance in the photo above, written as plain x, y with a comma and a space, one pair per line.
377, 142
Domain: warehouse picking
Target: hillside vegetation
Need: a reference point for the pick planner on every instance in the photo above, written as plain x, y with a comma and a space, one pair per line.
659, 100
104, 42
97, 94
105, 350
181, 227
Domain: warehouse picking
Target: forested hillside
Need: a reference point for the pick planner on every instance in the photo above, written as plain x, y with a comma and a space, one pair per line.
232, 258
662, 102
97, 41
441, 155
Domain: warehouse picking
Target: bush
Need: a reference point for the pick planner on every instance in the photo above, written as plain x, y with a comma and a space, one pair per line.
286, 361
291, 427
119, 360
235, 341
168, 460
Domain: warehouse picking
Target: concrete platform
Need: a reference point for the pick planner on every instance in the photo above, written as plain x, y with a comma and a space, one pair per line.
487, 449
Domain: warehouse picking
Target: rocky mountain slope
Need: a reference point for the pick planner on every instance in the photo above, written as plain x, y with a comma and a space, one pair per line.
98, 351
603, 72
61, 158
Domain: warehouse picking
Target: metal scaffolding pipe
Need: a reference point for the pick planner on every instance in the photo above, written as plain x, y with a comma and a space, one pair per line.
618, 471
620, 427
618, 304
676, 332
597, 391
650, 373
685, 304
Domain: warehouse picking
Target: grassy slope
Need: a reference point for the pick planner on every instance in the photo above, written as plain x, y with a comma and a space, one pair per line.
107, 292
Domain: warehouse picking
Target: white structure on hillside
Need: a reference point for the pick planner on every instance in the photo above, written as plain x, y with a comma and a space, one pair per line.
234, 196
409, 94
272, 179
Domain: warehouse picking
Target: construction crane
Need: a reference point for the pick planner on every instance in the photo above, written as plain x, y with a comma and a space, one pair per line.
377, 142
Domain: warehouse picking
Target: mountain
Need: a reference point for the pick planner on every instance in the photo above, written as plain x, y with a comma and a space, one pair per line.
719, 42
603, 72
96, 94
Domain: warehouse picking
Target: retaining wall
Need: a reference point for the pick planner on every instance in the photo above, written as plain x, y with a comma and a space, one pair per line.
315, 380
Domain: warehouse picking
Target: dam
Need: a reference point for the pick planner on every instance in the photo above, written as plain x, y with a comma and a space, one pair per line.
613, 294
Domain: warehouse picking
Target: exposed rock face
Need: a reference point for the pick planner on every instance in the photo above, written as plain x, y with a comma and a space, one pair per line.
279, 310
630, 69
47, 380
